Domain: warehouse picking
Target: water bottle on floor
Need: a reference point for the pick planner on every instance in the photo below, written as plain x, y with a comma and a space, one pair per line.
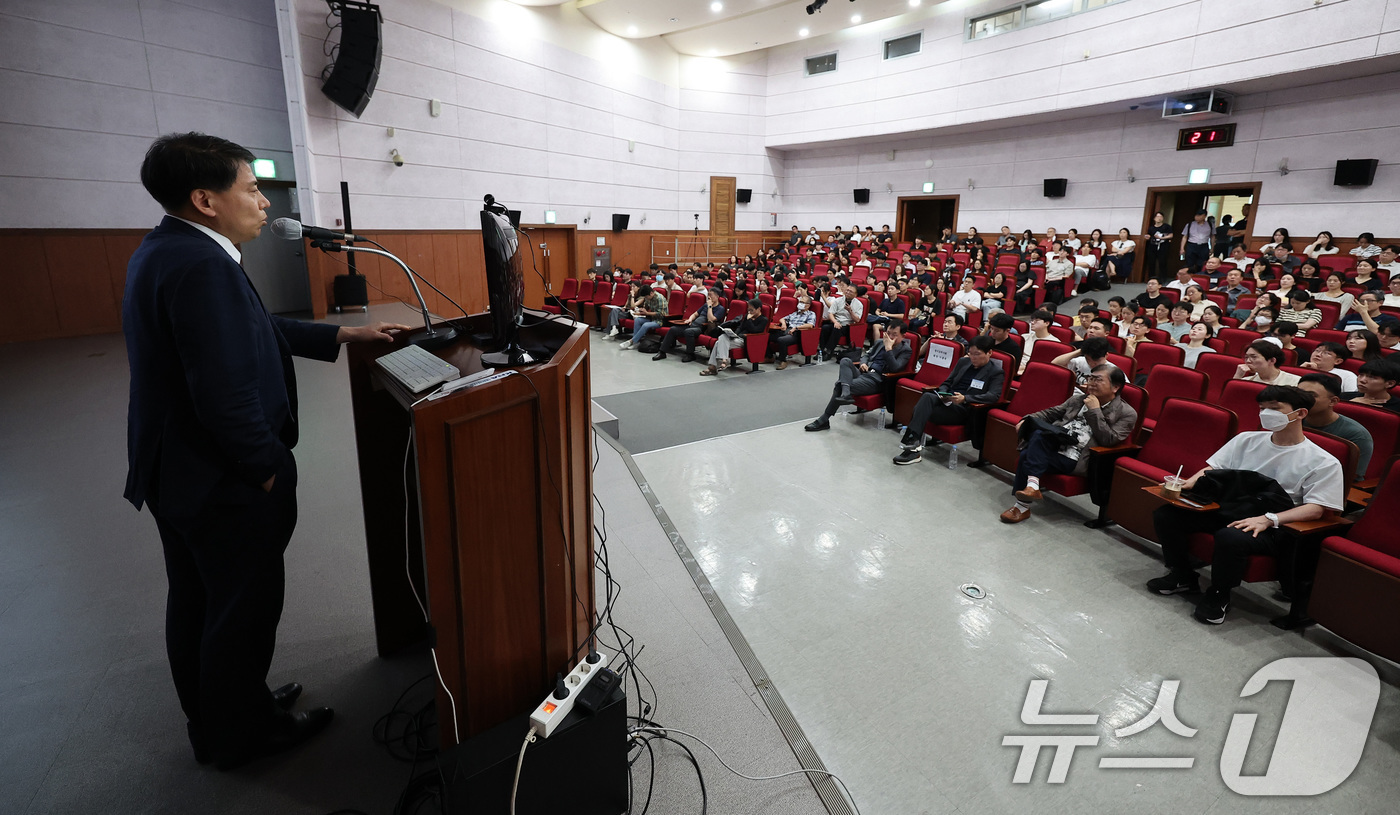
882, 419
953, 459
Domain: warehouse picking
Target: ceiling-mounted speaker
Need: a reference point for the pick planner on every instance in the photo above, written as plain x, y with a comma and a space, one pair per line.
1055, 187
743, 196
356, 70
862, 195
1355, 172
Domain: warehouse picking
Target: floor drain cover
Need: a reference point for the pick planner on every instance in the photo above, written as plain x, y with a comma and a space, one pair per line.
973, 590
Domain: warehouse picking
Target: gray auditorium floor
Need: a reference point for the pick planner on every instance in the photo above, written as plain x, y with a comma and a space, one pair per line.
843, 573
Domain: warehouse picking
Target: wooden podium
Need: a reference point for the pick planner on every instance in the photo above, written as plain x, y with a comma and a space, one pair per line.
494, 507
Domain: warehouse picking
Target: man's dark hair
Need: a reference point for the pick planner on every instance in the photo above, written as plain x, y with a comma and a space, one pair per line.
1044, 315
1095, 347
957, 318
1283, 328
756, 303
861, 291
644, 290
983, 343
1300, 296
1390, 247
1105, 322
180, 163
1389, 327
672, 267
669, 276
1268, 351
1002, 320
1383, 368
1186, 307
1155, 279
1088, 301
1115, 375
1290, 395
895, 324
1089, 310
1329, 382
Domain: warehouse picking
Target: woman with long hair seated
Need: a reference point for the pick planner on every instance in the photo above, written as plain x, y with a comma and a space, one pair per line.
1195, 344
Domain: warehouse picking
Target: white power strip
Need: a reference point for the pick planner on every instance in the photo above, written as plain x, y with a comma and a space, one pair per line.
553, 710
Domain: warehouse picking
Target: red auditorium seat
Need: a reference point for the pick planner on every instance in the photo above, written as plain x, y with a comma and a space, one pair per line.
1188, 432
1166, 381
582, 295
1220, 369
1239, 396
1041, 386
1356, 593
1148, 355
567, 293
1384, 427
602, 294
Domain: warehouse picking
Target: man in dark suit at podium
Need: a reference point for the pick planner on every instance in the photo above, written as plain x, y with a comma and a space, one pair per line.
210, 427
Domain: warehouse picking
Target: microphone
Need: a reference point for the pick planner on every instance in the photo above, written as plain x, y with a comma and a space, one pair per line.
288, 229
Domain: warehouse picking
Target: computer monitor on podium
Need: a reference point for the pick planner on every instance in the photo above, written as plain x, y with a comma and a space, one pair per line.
505, 286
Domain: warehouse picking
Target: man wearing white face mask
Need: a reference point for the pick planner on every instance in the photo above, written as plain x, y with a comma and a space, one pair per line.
1311, 477
785, 336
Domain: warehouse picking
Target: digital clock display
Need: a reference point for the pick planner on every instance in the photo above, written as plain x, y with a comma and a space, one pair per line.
1197, 138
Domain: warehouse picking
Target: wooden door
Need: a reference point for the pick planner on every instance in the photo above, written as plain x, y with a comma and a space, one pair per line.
553, 258
722, 192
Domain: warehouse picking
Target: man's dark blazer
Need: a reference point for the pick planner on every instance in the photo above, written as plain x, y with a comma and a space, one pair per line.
213, 391
990, 375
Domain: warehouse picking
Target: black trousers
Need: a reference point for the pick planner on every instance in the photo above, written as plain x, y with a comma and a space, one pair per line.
690, 332
1156, 259
782, 342
1196, 255
861, 384
1174, 526
930, 408
226, 577
831, 334
1040, 458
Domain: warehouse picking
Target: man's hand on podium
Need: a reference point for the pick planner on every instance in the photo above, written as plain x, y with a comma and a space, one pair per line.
369, 333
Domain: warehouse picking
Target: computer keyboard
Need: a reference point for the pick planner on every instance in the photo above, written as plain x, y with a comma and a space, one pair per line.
417, 369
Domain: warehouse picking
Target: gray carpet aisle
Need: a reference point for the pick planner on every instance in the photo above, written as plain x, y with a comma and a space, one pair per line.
733, 402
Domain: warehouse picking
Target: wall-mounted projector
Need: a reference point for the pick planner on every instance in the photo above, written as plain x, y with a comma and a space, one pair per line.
1209, 104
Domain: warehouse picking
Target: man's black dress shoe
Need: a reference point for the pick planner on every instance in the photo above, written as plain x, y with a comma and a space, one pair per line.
818, 424
286, 696
289, 732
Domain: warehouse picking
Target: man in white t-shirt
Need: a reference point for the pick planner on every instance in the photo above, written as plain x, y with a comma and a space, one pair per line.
1311, 477
1040, 330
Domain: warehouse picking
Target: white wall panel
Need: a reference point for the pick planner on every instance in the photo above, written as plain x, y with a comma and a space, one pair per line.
91, 82
1312, 127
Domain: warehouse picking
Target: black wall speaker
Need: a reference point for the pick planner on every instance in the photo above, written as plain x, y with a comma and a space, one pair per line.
356, 69
620, 221
862, 195
744, 196
1355, 172
514, 216
1055, 187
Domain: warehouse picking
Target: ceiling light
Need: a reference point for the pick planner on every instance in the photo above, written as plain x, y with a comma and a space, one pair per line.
855, 18
913, 3
714, 52
631, 31
804, 32
716, 6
